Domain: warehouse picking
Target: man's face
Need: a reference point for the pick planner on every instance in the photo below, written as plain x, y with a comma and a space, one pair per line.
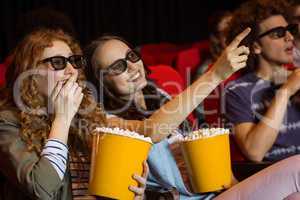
274, 48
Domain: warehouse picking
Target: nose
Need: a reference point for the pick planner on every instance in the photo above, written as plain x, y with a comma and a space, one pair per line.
289, 36
70, 69
131, 66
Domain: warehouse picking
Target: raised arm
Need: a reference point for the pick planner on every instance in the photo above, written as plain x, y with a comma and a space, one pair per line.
256, 140
174, 112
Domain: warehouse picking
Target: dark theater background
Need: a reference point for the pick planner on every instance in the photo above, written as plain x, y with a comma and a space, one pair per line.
139, 21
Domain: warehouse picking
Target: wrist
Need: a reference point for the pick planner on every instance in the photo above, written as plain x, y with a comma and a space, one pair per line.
284, 93
215, 76
59, 118
59, 130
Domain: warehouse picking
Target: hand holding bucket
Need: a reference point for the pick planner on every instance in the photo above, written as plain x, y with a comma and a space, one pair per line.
115, 158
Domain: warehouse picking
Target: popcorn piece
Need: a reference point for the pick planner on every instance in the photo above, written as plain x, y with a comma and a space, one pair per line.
205, 133
123, 132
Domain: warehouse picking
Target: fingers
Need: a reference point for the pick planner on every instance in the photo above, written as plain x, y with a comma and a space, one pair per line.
78, 95
71, 81
238, 39
242, 50
239, 59
77, 91
145, 170
72, 88
56, 90
80, 98
137, 190
239, 66
141, 181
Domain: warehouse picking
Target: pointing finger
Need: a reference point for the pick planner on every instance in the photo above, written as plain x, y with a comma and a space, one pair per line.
239, 38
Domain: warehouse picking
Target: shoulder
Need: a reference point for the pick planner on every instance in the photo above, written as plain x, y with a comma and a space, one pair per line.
243, 85
10, 116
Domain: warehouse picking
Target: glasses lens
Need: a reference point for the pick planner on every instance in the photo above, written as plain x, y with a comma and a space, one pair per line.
278, 32
77, 61
118, 67
293, 29
58, 63
133, 56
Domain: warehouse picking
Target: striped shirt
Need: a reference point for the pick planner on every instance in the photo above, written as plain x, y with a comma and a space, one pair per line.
57, 153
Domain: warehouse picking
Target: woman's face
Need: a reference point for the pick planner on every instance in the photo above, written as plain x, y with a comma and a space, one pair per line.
49, 77
128, 82
275, 50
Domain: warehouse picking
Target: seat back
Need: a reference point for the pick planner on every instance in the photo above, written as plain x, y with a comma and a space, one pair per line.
166, 78
170, 81
186, 63
2, 74
161, 53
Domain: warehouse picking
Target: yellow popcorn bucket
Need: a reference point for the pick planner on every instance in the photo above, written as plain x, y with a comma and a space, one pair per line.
115, 159
208, 163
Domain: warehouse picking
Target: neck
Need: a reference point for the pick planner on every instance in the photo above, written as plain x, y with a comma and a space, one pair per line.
138, 98
266, 69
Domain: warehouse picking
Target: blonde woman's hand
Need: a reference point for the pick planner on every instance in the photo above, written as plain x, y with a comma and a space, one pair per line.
66, 99
140, 190
233, 58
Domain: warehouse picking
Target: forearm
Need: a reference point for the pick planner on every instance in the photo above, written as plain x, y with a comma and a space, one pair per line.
263, 135
59, 130
174, 112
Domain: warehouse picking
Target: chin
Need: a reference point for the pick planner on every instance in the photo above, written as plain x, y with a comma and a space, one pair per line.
285, 60
141, 85
289, 58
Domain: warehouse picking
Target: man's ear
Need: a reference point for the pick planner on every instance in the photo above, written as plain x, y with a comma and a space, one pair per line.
257, 48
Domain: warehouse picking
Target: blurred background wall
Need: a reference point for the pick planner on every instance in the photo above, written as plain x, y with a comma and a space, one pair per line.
139, 21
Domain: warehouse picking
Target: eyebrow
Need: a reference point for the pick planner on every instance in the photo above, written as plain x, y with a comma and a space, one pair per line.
69, 54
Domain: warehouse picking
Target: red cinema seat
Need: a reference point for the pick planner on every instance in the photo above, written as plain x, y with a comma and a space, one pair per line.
187, 62
2, 74
169, 80
161, 53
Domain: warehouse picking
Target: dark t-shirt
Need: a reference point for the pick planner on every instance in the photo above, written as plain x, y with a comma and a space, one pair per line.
247, 100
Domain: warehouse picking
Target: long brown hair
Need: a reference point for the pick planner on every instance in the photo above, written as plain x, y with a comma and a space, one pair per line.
110, 99
107, 97
35, 126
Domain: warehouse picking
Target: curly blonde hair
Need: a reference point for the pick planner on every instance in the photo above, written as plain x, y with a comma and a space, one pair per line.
35, 126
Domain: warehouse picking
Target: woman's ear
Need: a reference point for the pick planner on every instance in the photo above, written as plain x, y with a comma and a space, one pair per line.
257, 48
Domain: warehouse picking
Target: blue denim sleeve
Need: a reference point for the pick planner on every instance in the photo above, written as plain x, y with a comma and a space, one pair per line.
164, 173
